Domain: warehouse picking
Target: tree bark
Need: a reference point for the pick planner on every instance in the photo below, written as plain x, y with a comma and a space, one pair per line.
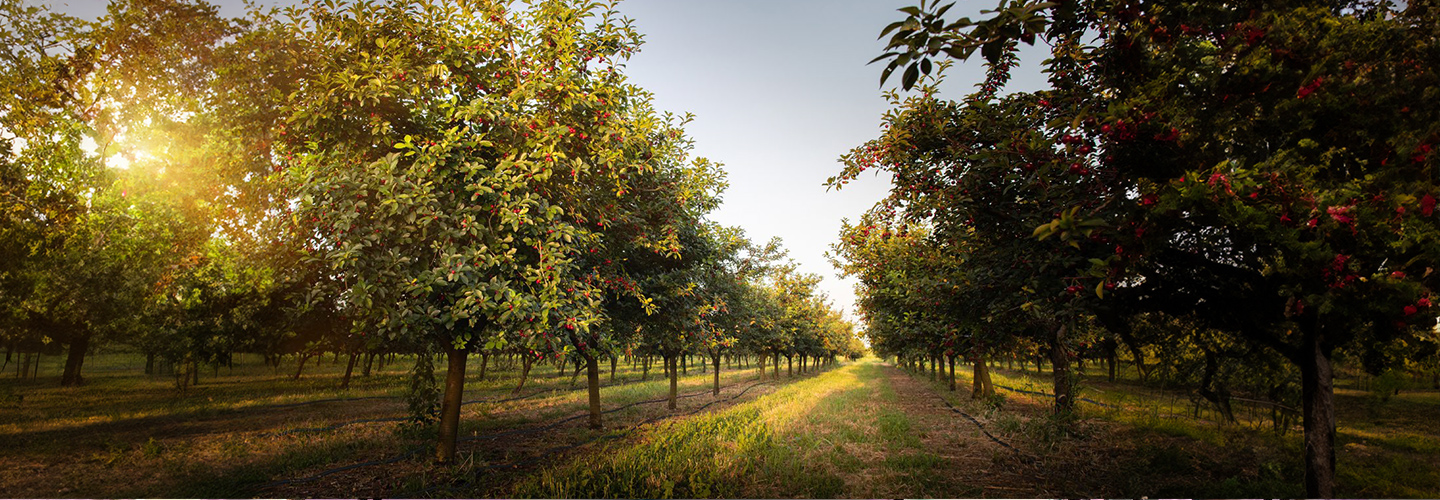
527, 362
982, 377
952, 373
450, 404
369, 362
613, 360
484, 363
717, 376
1060, 372
74, 360
1318, 395
1212, 390
1112, 360
1139, 362
579, 364
671, 363
592, 375
349, 369
301, 366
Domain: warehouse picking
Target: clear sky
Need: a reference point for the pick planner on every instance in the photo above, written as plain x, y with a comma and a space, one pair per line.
779, 89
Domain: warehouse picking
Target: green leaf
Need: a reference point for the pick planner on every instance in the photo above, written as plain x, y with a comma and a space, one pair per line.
912, 73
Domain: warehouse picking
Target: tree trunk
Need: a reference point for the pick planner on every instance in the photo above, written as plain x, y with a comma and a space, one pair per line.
300, 367
776, 369
1112, 359
369, 361
790, 366
760, 361
685, 364
645, 367
23, 368
1139, 362
717, 376
613, 360
74, 360
977, 388
526, 363
672, 363
982, 377
484, 363
579, 364
952, 373
1060, 372
450, 404
592, 375
1212, 390
1318, 395
349, 368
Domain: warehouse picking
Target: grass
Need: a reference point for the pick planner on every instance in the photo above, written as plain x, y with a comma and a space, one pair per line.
850, 431
1383, 449
127, 434
811, 438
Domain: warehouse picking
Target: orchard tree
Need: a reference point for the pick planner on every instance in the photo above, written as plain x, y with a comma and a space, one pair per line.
446, 159
1268, 167
96, 139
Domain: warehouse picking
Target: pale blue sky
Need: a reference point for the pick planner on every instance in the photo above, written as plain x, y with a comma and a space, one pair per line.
779, 90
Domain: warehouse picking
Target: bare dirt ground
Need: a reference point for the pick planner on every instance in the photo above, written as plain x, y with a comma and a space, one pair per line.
980, 466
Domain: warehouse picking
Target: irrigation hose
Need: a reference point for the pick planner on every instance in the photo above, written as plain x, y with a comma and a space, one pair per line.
982, 427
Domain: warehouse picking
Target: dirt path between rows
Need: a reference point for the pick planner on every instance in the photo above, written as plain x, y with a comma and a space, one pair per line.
1097, 459
976, 466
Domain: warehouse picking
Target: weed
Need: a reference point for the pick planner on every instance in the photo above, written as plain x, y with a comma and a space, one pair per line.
1388, 384
994, 402
152, 449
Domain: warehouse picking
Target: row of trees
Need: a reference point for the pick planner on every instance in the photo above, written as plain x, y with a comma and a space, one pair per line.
1262, 179
423, 177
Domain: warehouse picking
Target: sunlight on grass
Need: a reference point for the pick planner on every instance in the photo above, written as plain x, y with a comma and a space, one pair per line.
806, 439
